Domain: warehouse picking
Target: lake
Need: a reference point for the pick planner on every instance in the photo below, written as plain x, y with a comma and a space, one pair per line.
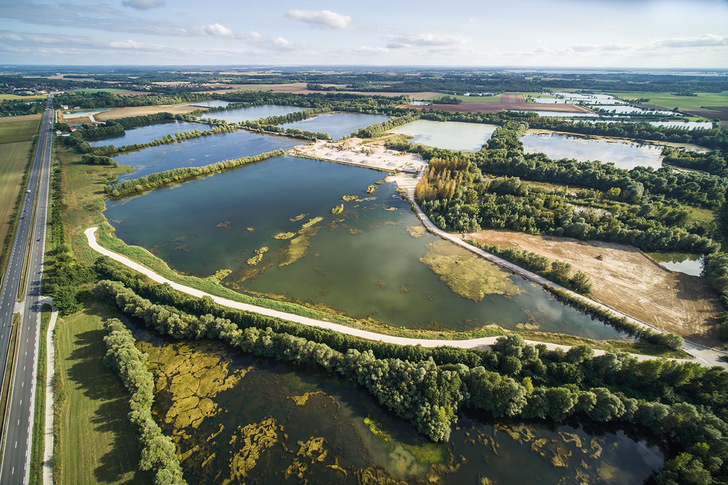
450, 135
374, 260
691, 264
200, 151
337, 125
624, 154
260, 421
145, 134
251, 113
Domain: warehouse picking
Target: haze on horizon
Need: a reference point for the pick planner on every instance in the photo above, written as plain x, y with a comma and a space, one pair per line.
560, 33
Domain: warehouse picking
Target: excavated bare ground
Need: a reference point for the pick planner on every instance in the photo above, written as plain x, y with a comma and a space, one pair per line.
628, 280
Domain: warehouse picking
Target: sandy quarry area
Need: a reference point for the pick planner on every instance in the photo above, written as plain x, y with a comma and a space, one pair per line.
352, 152
626, 279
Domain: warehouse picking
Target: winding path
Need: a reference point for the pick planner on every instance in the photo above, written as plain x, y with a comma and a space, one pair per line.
477, 343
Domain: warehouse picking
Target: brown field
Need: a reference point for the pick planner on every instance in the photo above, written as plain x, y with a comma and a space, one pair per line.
508, 101
626, 279
13, 119
717, 112
143, 110
14, 158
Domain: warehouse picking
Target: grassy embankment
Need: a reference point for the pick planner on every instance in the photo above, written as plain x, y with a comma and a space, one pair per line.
7, 379
94, 440
16, 149
36, 455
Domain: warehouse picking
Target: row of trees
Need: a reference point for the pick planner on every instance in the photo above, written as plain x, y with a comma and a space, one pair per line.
556, 270
683, 404
178, 175
159, 453
379, 129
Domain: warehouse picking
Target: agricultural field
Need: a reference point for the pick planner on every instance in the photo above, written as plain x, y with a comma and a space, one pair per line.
15, 97
15, 145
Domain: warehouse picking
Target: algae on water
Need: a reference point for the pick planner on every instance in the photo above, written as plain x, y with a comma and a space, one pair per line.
467, 274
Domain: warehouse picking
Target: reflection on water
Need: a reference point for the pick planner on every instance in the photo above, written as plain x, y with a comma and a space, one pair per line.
337, 125
691, 264
145, 134
271, 227
624, 154
236, 419
450, 135
197, 152
251, 113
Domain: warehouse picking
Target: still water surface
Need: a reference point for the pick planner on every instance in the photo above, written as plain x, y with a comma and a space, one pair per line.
200, 151
450, 135
258, 421
372, 260
624, 154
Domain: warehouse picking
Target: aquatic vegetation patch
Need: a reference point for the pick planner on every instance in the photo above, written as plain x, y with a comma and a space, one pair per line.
298, 217
311, 222
466, 274
338, 209
220, 275
284, 235
349, 198
258, 256
253, 440
416, 231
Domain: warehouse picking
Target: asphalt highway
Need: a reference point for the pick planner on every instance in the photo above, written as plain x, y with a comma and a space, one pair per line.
17, 434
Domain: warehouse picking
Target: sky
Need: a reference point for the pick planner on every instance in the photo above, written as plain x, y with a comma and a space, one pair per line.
473, 33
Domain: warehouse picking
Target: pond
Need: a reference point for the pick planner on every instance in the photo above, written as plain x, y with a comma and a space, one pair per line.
251, 113
200, 151
624, 154
684, 124
374, 259
251, 420
337, 125
450, 135
691, 264
216, 103
145, 134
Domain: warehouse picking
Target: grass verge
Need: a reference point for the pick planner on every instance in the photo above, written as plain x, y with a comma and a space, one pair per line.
8, 377
94, 442
36, 455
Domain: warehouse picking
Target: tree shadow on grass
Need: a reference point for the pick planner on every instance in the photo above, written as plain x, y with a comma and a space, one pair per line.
89, 375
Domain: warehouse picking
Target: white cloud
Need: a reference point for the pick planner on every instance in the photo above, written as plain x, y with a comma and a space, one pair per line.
142, 4
424, 40
367, 50
130, 44
215, 30
706, 40
324, 19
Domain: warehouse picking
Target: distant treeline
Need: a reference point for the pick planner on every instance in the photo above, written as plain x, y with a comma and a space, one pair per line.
104, 99
178, 175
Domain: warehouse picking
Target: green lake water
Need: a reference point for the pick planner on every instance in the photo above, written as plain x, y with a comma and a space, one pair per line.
240, 419
368, 261
450, 135
624, 154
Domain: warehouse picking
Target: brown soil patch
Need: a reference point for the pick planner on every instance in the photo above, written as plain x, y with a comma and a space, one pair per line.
13, 119
144, 110
718, 112
626, 279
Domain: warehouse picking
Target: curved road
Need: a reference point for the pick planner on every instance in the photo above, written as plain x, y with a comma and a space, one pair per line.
18, 425
477, 343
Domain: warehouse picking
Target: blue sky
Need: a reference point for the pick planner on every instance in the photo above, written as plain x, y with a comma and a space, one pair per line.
560, 33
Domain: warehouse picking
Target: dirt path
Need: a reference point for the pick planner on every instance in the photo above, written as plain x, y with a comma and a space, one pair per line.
50, 374
626, 279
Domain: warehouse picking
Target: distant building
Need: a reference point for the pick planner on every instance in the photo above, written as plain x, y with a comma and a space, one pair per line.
58, 132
